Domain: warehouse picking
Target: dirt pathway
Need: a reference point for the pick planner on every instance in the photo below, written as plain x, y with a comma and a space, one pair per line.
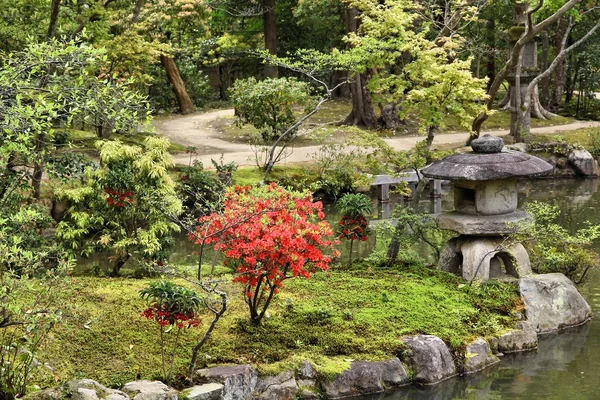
196, 130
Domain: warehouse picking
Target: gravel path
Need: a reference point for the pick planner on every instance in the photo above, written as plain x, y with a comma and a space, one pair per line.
196, 130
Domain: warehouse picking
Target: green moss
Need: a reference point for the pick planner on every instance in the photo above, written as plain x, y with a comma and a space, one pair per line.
328, 319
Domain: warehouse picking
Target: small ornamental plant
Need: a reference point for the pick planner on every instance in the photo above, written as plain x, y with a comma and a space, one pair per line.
268, 234
354, 224
172, 307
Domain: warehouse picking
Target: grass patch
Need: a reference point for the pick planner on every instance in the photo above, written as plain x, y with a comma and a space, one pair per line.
501, 120
290, 175
580, 137
329, 319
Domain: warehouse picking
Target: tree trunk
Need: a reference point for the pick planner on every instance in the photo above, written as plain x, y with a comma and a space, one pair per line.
136, 11
544, 89
54, 9
183, 98
389, 118
270, 32
560, 76
491, 58
430, 137
362, 113
120, 260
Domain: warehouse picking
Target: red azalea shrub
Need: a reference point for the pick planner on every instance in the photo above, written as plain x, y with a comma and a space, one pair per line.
174, 305
268, 234
353, 228
165, 317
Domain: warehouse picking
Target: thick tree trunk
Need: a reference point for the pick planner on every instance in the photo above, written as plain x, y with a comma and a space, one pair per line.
120, 260
270, 32
183, 98
560, 76
362, 113
389, 118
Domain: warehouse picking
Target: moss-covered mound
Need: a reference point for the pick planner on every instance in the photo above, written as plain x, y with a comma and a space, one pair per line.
330, 319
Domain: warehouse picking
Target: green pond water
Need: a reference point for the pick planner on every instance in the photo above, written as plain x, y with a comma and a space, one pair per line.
567, 364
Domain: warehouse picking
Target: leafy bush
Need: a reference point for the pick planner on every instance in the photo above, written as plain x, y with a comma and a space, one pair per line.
31, 304
415, 228
123, 205
553, 249
199, 190
337, 169
268, 105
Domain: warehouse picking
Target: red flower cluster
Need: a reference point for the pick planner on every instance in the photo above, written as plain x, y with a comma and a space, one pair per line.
166, 317
353, 228
269, 234
118, 199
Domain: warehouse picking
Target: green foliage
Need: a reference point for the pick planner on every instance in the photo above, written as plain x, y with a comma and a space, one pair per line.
415, 228
171, 297
268, 105
122, 206
426, 78
31, 305
23, 246
354, 205
200, 190
553, 249
594, 146
337, 169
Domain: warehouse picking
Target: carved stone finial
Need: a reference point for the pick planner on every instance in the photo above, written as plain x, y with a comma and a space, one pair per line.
487, 144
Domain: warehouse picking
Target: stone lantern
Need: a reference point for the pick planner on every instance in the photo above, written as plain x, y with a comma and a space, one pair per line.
486, 214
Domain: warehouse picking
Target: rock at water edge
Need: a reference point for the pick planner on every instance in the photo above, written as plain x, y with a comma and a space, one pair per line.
238, 381
523, 338
149, 390
281, 387
583, 163
429, 358
478, 355
364, 377
552, 302
208, 391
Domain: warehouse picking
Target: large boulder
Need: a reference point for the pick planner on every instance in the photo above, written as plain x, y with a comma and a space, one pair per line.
429, 358
149, 390
478, 356
281, 387
523, 338
365, 377
583, 163
238, 381
552, 302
